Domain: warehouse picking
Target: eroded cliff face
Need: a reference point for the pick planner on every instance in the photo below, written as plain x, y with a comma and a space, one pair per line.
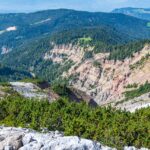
61, 53
102, 79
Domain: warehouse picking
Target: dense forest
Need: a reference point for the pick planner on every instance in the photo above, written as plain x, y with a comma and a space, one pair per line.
37, 33
36, 25
31, 55
112, 127
104, 34
121, 52
9, 74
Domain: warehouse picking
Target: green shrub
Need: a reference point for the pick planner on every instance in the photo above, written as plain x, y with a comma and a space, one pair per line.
140, 63
137, 92
4, 84
109, 126
131, 86
60, 88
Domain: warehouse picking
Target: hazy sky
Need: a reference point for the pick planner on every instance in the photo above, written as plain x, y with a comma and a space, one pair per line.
90, 5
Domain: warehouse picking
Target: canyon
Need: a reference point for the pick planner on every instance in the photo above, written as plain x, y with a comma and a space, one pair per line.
104, 80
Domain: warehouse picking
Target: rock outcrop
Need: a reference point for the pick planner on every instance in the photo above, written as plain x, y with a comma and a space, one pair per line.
136, 103
28, 90
32, 91
25, 139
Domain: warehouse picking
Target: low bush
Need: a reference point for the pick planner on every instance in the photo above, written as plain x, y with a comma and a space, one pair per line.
109, 126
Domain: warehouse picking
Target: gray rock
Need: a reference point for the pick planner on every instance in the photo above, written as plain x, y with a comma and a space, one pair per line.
73, 143
14, 141
8, 148
133, 148
25, 139
32, 146
129, 148
28, 90
1, 138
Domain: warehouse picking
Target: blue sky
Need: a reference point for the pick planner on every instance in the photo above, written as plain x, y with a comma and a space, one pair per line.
89, 5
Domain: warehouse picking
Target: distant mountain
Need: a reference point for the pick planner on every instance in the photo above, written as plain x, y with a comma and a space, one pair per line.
39, 24
142, 13
102, 58
25, 38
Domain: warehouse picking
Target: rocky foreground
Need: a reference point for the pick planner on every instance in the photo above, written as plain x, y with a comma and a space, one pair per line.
26, 139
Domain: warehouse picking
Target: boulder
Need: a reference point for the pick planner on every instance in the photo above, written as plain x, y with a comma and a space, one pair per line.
11, 142
26, 139
72, 143
32, 146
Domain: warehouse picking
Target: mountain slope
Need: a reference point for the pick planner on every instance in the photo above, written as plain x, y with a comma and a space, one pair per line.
87, 50
24, 38
30, 55
9, 74
142, 13
36, 25
103, 79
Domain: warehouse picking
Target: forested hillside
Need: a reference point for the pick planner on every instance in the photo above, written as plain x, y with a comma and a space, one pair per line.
36, 25
69, 63
76, 47
25, 38
9, 74
30, 56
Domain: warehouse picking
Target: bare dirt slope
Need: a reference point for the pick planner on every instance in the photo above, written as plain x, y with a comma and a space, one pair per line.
102, 79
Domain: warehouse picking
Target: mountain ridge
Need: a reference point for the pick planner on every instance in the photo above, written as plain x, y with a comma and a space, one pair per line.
85, 74
142, 13
100, 39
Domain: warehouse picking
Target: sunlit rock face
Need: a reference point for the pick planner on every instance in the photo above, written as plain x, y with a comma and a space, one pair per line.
25, 139
34, 91
102, 79
28, 90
